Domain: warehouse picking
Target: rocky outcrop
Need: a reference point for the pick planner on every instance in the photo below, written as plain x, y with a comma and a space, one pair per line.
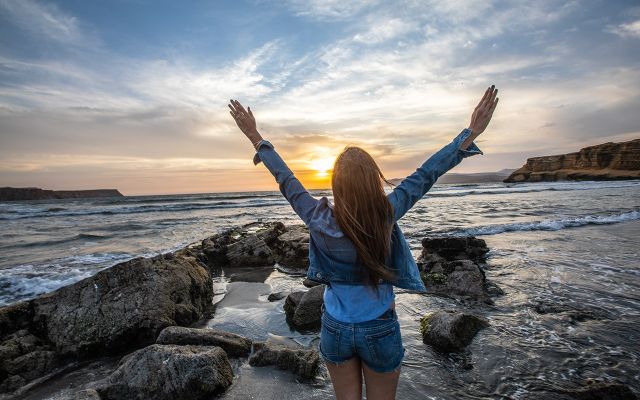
450, 331
169, 372
257, 245
304, 309
121, 308
607, 161
453, 267
234, 345
14, 194
302, 362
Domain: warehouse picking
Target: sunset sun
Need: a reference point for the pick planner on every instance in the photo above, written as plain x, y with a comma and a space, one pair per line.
322, 166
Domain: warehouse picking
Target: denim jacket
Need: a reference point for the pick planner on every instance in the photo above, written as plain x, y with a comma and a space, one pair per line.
332, 256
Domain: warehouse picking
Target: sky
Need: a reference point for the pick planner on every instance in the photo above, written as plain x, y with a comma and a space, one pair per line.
133, 94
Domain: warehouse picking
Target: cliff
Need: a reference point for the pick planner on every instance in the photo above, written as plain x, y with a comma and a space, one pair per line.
607, 161
13, 194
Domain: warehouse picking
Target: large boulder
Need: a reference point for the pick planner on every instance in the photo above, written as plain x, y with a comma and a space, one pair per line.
234, 345
449, 248
302, 362
125, 306
304, 309
453, 267
120, 308
450, 331
257, 245
169, 372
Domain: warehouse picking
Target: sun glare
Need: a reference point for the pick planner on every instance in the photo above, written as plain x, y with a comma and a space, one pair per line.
322, 166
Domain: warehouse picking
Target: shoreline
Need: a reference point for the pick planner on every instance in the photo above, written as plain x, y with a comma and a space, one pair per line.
241, 292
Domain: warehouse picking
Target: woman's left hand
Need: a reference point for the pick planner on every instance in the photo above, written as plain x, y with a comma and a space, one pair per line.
245, 120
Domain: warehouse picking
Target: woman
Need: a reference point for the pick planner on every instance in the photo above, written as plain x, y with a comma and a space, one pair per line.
357, 249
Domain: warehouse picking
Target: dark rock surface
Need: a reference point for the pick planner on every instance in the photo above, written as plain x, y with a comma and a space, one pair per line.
304, 309
277, 296
593, 391
257, 244
120, 308
87, 394
169, 372
450, 331
302, 362
32, 193
453, 267
607, 161
234, 345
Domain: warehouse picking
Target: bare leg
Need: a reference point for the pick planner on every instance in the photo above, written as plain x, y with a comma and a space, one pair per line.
347, 379
380, 385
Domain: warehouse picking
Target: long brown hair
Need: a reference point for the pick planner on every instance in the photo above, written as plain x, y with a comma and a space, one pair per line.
363, 211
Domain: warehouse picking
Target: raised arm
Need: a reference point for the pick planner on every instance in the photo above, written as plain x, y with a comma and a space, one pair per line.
291, 188
414, 187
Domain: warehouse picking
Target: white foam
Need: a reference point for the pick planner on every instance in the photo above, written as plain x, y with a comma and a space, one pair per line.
550, 224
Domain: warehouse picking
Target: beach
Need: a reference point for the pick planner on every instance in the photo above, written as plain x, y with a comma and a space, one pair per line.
564, 253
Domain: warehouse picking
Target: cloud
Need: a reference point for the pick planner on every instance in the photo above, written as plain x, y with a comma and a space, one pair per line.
390, 29
400, 81
329, 9
628, 31
45, 21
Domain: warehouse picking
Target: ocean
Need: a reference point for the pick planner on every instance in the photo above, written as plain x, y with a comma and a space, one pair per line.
569, 246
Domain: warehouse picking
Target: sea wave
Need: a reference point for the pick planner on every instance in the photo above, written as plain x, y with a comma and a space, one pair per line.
546, 225
460, 191
24, 281
147, 209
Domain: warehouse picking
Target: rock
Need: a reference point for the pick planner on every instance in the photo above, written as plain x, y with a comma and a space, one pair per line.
169, 372
458, 279
450, 331
125, 306
87, 394
302, 362
258, 244
118, 309
24, 357
303, 309
15, 317
574, 313
607, 161
309, 283
234, 345
33, 365
449, 248
292, 302
292, 247
277, 296
451, 267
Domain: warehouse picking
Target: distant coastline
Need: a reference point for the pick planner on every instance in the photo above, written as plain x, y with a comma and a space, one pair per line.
33, 193
603, 162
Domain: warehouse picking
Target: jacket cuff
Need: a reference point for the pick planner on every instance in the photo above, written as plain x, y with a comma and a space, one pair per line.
472, 149
261, 144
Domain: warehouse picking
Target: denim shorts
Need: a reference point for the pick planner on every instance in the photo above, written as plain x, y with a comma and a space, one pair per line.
377, 342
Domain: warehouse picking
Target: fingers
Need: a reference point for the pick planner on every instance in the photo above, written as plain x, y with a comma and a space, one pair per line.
488, 98
484, 97
239, 107
495, 104
250, 113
